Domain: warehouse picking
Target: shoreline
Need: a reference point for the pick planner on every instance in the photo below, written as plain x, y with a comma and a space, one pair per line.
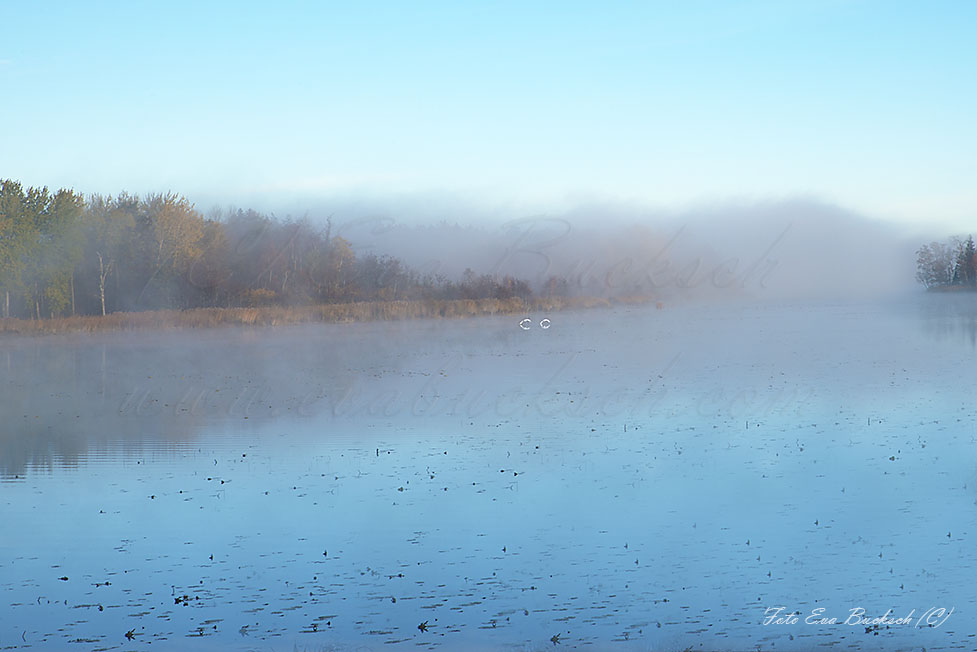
951, 288
334, 313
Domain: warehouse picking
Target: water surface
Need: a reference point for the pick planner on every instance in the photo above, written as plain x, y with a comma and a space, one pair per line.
626, 479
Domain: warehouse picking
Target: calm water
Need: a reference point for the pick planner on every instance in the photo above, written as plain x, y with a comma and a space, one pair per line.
630, 479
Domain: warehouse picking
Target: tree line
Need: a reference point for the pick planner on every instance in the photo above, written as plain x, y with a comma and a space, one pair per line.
948, 264
62, 253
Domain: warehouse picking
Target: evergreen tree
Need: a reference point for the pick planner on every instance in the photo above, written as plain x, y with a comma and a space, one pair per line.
967, 263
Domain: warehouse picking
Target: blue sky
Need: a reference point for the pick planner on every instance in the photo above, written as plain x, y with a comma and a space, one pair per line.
534, 106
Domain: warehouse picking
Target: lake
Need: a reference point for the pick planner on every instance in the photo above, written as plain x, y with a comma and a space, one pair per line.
770, 476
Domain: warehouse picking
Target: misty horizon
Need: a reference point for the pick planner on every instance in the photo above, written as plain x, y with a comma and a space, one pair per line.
778, 250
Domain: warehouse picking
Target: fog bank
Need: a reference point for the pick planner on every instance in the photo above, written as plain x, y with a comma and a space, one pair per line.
796, 248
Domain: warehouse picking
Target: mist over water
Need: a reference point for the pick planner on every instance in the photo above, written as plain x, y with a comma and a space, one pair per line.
662, 473
639, 477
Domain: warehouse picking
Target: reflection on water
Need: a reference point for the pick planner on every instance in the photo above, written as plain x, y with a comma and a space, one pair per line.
631, 479
950, 316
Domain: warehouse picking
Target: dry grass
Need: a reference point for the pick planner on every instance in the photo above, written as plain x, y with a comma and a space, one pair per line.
279, 315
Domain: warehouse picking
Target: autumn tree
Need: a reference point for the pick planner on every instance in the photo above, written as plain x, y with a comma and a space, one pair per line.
171, 233
60, 253
337, 273
208, 273
108, 226
63, 250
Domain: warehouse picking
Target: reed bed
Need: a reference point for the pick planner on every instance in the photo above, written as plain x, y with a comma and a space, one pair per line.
324, 313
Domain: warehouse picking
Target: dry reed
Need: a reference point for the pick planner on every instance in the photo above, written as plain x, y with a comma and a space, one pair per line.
326, 313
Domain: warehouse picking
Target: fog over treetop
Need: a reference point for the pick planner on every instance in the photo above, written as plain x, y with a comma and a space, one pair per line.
65, 254
800, 248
